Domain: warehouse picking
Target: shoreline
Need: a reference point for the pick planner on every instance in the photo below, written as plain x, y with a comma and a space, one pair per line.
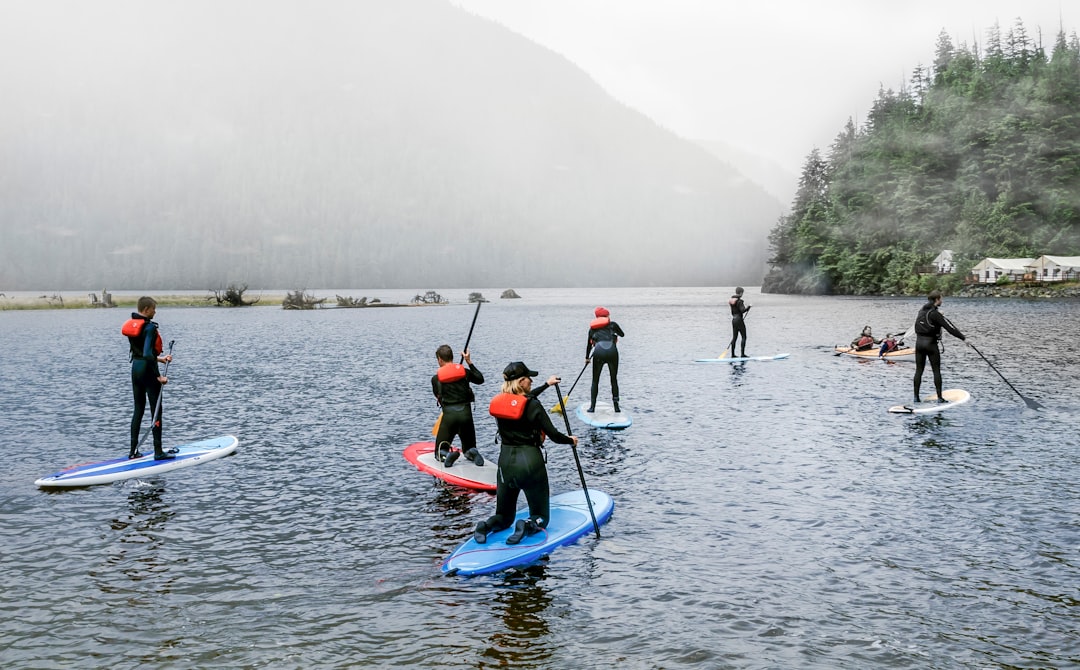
1032, 291
83, 301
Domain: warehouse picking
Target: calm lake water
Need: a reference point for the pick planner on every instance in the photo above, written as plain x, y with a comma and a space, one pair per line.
767, 515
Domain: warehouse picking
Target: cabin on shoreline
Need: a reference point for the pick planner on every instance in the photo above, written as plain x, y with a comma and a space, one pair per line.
1042, 269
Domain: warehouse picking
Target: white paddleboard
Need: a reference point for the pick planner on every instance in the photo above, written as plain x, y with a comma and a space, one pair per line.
605, 416
118, 469
461, 473
742, 359
953, 397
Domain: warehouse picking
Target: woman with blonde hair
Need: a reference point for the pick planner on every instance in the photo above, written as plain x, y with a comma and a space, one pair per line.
523, 424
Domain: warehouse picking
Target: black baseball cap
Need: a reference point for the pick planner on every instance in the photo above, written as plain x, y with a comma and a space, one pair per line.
516, 370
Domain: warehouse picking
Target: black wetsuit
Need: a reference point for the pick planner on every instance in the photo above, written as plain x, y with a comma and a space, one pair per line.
603, 347
456, 400
521, 465
738, 325
144, 381
928, 325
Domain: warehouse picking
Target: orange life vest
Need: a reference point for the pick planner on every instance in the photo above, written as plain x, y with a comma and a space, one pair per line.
451, 372
599, 322
508, 406
133, 328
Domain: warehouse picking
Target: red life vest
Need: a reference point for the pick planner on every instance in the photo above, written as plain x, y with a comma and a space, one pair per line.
508, 406
133, 328
864, 340
599, 322
451, 372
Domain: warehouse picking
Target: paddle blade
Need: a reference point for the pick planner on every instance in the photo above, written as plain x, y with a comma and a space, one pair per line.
723, 354
557, 409
435, 428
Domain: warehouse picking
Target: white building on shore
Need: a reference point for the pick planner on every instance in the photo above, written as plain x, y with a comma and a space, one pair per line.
1055, 268
989, 270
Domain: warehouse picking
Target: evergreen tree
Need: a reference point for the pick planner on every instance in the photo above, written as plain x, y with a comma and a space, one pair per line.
980, 154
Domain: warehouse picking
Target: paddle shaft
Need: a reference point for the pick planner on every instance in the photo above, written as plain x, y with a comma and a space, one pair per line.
1028, 401
577, 460
558, 408
157, 405
471, 326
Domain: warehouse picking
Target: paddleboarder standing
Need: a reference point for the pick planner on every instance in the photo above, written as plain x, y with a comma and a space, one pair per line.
928, 325
523, 422
738, 325
144, 340
602, 348
451, 386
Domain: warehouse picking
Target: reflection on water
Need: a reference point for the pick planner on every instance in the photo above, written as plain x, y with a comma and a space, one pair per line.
522, 604
135, 547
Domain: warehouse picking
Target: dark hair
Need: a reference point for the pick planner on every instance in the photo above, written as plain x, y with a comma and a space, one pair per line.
934, 295
444, 353
144, 302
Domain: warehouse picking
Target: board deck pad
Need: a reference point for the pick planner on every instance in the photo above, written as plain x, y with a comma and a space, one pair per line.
775, 357
931, 405
119, 469
907, 352
462, 473
570, 520
605, 416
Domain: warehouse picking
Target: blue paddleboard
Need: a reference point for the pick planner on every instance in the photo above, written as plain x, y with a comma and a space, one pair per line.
118, 469
605, 416
741, 359
569, 520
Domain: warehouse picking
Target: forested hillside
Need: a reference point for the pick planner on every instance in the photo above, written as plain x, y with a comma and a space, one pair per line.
340, 144
979, 154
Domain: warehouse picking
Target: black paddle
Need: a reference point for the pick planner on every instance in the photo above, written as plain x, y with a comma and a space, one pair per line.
558, 408
577, 460
1030, 403
157, 406
471, 326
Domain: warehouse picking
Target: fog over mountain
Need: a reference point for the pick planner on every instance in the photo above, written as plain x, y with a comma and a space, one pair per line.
340, 145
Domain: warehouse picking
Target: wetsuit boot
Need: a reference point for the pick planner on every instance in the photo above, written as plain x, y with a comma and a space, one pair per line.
480, 534
474, 456
160, 455
451, 458
615, 402
522, 529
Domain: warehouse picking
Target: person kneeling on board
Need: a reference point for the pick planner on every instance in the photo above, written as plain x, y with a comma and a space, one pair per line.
451, 388
523, 422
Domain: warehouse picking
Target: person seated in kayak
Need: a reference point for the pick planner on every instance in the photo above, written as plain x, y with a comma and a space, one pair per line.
523, 425
888, 344
864, 341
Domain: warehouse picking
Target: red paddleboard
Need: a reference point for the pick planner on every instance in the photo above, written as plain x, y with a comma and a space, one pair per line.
463, 473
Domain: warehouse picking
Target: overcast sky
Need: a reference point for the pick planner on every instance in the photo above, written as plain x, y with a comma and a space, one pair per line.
774, 77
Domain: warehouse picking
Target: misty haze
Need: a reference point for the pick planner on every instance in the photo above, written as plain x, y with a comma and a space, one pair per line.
368, 144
